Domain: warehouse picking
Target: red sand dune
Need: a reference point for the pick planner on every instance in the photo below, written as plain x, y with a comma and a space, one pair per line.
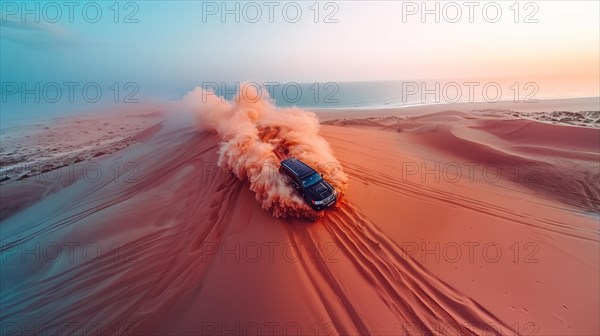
182, 247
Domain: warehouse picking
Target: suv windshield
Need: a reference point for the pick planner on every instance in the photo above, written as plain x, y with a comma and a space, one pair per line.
312, 179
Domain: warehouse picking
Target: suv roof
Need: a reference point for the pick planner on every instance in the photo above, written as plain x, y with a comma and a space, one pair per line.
298, 167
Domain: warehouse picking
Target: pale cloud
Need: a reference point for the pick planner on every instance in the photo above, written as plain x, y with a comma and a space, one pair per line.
37, 34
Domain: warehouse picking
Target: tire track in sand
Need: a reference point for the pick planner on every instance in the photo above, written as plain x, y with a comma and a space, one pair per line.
419, 300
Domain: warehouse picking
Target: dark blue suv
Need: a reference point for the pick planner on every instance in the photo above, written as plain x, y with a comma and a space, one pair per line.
317, 192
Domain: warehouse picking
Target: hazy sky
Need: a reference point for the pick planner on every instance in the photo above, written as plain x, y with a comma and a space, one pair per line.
179, 44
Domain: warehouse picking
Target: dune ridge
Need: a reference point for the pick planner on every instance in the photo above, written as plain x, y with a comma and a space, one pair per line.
537, 150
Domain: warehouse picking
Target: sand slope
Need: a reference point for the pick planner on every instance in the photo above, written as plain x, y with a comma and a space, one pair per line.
182, 247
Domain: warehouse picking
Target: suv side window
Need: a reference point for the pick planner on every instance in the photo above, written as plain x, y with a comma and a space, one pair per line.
290, 174
296, 179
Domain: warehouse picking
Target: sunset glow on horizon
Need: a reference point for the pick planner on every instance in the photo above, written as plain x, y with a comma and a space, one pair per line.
400, 40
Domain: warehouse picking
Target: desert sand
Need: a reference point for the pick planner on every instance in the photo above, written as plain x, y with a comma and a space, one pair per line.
456, 220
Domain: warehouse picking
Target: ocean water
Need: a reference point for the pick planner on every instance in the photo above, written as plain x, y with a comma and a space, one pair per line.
392, 94
24, 107
324, 95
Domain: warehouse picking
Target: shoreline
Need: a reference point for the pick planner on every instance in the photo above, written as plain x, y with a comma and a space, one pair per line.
544, 105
